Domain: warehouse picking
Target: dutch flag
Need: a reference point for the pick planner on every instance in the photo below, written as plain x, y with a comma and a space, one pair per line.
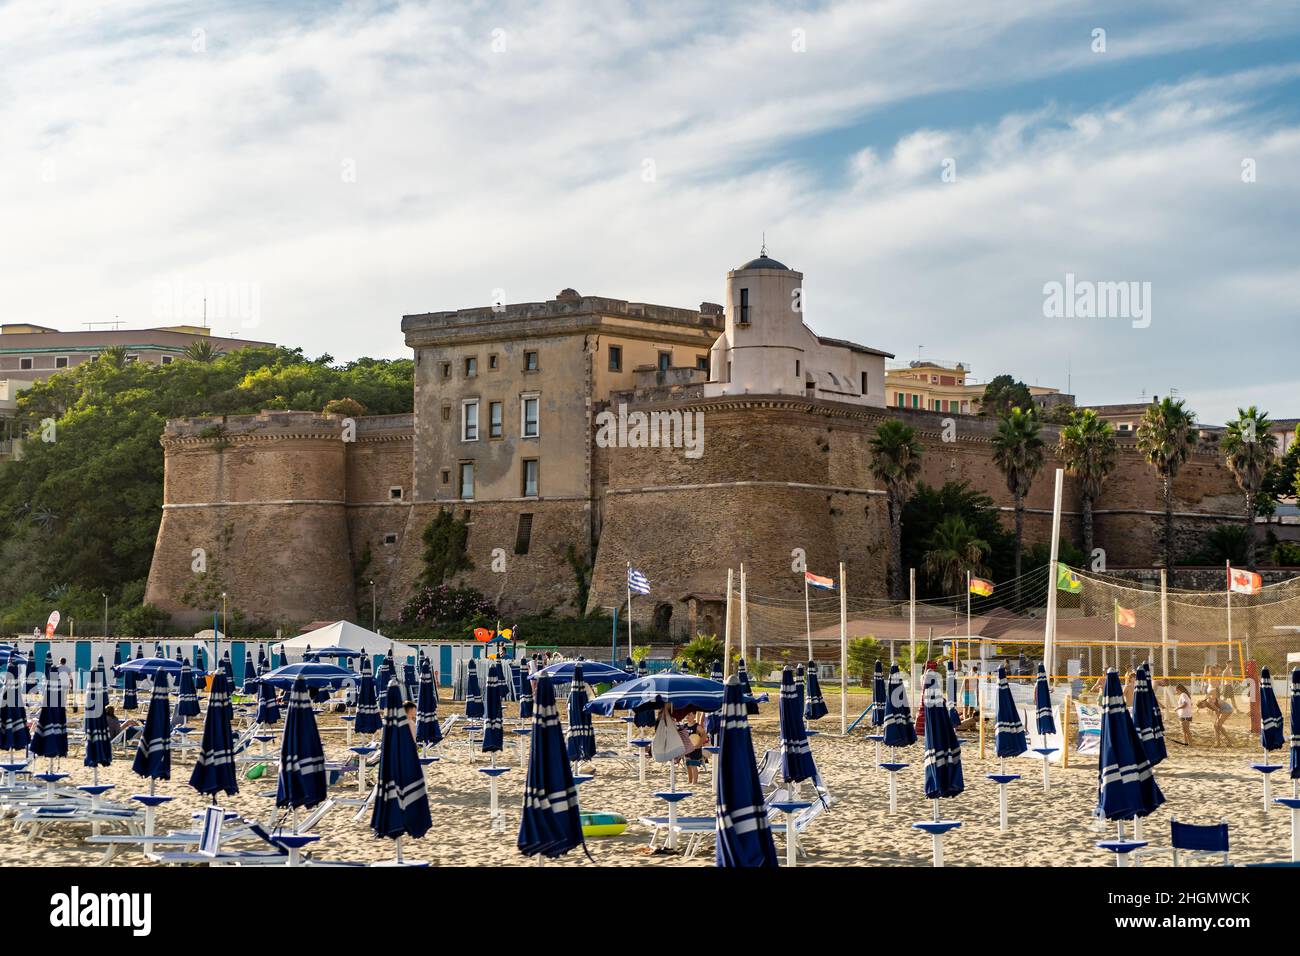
637, 582
816, 581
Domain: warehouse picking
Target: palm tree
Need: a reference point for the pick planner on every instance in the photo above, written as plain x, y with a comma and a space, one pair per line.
1018, 451
114, 355
952, 550
1088, 449
1249, 450
201, 350
1166, 436
896, 463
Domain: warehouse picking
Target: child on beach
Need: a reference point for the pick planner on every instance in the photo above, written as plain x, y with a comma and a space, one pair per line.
1184, 710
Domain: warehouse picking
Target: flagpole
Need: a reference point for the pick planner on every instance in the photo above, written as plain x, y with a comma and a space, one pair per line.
629, 609
807, 617
1164, 624
911, 631
844, 650
726, 629
744, 612
1115, 615
1228, 566
1053, 566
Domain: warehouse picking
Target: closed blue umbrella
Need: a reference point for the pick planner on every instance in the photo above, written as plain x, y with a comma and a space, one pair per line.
550, 823
493, 713
1126, 785
582, 736
261, 658
410, 683
368, 720
525, 694
814, 707
642, 668
99, 746
796, 757
897, 726
385, 675
13, 713
402, 800
50, 733
878, 695
744, 836
214, 770
473, 696
153, 755
1043, 704
268, 706
250, 674
130, 701
943, 775
751, 706
1295, 723
117, 659
302, 759
188, 702
1270, 714
1146, 720
228, 667
427, 730
716, 672
629, 665
1009, 729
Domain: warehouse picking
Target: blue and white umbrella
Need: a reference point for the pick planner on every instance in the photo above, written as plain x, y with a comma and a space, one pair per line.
1146, 721
550, 824
214, 769
943, 775
427, 730
40, 665
897, 726
188, 700
1271, 736
629, 665
153, 755
313, 674
144, 668
1126, 785
117, 658
716, 672
744, 835
525, 695
642, 668
751, 705
13, 713
384, 674
1046, 723
99, 745
302, 779
228, 667
593, 672
401, 800
581, 739
814, 707
50, 732
368, 720
1295, 723
473, 695
878, 695
262, 662
1008, 729
649, 694
268, 705
796, 756
130, 700
494, 696
250, 674
410, 682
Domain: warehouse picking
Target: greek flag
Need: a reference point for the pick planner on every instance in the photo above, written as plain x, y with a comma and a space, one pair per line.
637, 582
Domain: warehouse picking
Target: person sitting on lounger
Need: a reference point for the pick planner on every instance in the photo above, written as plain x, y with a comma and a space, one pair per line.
409, 707
116, 726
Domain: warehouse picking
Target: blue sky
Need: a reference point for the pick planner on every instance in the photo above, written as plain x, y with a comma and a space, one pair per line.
340, 165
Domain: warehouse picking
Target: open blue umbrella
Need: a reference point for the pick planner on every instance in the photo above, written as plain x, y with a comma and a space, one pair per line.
1046, 723
593, 672
796, 757
1126, 785
153, 755
473, 695
99, 746
313, 674
427, 730
550, 824
368, 720
13, 713
188, 703
302, 759
1008, 729
581, 738
402, 800
1270, 714
268, 706
814, 707
682, 691
250, 674
897, 725
943, 775
744, 835
1295, 723
1145, 718
144, 668
50, 733
751, 705
214, 770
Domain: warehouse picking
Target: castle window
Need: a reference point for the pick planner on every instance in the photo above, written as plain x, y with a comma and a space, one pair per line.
471, 367
864, 383
665, 361
530, 362
530, 426
446, 476
702, 362
469, 420
446, 413
744, 307
492, 361
523, 534
467, 480
796, 368
390, 538
616, 358
446, 370
395, 493
496, 426
530, 477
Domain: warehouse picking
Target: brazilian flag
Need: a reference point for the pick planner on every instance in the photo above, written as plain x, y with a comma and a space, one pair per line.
1067, 580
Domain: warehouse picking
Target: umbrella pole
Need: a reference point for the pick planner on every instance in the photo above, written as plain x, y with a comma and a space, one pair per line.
398, 847
937, 838
893, 793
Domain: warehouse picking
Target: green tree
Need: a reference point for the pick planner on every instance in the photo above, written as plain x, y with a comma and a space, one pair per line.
928, 507
1018, 452
1166, 436
114, 356
863, 654
1088, 450
953, 551
1249, 450
895, 463
445, 552
1002, 394
201, 350
700, 654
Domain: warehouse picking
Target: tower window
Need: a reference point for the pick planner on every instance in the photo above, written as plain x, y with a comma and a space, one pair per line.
446, 413
390, 538
744, 307
446, 370
469, 421
796, 368
395, 493
530, 477
471, 367
616, 358
523, 533
864, 383
530, 362
495, 425
492, 361
530, 426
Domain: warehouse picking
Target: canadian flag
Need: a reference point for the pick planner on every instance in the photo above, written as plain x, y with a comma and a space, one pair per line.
1244, 582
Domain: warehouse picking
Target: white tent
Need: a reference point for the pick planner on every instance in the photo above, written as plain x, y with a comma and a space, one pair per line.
344, 634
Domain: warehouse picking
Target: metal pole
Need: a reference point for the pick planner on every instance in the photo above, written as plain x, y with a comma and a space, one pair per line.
1049, 649
744, 612
1164, 625
844, 654
911, 633
807, 616
629, 609
373, 607
726, 632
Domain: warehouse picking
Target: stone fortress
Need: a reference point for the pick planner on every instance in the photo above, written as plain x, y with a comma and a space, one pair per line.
585, 428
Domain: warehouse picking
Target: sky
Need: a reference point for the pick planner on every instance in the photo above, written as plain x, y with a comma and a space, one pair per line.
318, 170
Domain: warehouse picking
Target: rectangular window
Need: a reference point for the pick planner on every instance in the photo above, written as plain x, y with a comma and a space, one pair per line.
467, 480
492, 361
744, 307
616, 358
665, 361
446, 370
916, 401
395, 493
702, 362
530, 478
796, 368
469, 421
530, 426
523, 533
864, 383
446, 476
471, 367
24, 363
899, 396
132, 359
530, 362
496, 425
446, 413
390, 538
166, 360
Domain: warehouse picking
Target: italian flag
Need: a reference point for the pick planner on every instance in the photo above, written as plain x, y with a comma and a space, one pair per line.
981, 587
1125, 617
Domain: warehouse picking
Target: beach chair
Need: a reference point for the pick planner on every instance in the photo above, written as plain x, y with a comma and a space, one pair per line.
39, 819
1198, 841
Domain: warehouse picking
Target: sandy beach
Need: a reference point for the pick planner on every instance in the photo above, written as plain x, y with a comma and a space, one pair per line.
1201, 785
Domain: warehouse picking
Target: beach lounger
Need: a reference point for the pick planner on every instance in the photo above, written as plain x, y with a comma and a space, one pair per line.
1191, 841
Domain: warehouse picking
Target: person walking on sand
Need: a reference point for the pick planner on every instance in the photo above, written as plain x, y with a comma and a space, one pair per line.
1183, 708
